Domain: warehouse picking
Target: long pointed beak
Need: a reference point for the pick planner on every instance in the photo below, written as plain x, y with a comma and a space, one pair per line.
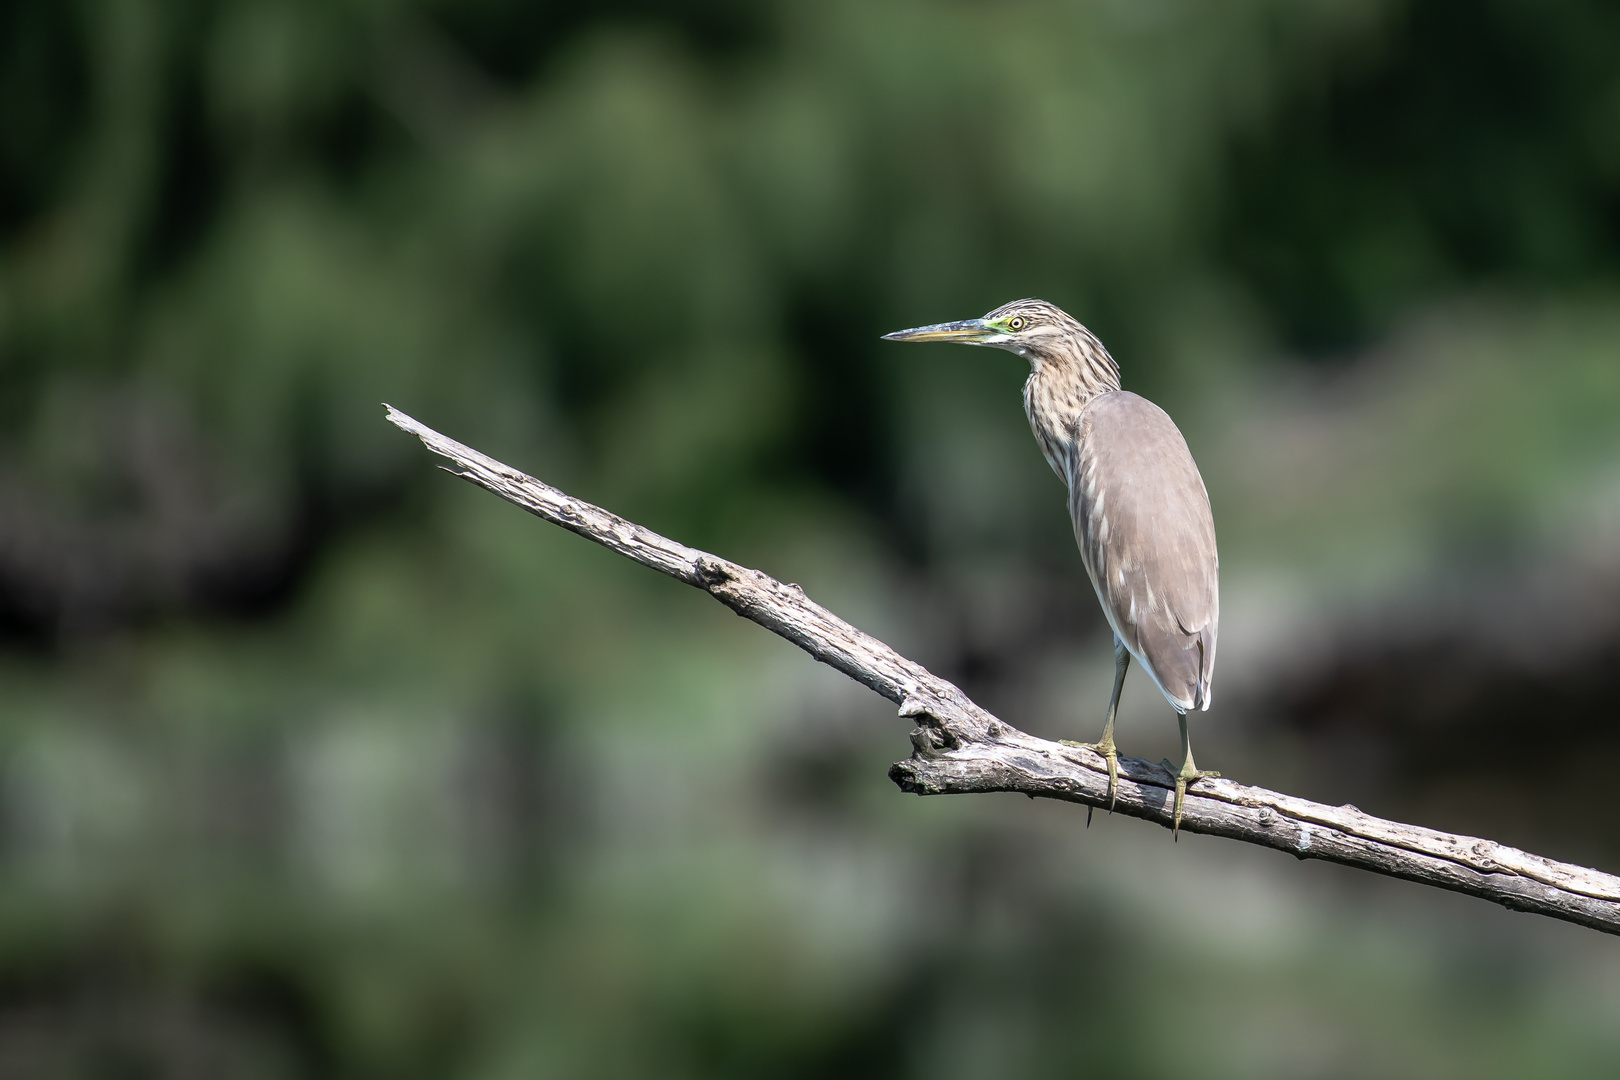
966, 332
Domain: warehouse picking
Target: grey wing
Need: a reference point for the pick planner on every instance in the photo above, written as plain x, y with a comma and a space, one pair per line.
1143, 523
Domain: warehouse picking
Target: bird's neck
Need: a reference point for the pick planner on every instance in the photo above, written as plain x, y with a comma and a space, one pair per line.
1054, 397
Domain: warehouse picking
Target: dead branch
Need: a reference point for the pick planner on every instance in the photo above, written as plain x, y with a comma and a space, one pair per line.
961, 748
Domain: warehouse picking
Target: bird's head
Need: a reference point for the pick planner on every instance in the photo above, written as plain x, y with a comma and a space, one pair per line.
1042, 333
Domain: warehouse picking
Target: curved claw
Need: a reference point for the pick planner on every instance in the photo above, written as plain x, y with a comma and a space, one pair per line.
1111, 755
1184, 778
1188, 774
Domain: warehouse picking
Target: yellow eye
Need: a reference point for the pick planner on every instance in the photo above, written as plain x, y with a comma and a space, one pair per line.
1017, 322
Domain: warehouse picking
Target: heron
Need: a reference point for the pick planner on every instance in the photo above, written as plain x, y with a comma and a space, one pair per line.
1140, 511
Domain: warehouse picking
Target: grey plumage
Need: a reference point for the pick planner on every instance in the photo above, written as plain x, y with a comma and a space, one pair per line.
1147, 538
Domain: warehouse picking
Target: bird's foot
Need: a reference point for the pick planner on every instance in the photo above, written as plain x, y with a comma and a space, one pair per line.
1188, 774
1110, 754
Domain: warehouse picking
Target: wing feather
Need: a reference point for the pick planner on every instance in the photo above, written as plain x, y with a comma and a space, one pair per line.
1147, 536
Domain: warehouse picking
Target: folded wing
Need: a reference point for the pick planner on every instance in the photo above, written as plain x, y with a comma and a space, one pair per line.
1146, 534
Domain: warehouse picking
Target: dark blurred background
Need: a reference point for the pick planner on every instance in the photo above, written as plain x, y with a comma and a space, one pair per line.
317, 763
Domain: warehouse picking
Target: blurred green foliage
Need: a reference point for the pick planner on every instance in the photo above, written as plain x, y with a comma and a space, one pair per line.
315, 763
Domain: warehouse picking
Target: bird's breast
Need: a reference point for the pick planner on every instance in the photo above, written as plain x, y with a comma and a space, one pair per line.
1054, 417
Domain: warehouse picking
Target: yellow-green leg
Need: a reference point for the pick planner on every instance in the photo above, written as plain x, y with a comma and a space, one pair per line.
1105, 745
1189, 773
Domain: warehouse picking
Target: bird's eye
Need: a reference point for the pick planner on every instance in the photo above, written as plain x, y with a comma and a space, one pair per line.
1017, 322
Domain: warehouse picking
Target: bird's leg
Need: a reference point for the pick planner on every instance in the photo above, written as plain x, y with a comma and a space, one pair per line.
1189, 772
1105, 745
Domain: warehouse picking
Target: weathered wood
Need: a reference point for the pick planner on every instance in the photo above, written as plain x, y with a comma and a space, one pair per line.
960, 748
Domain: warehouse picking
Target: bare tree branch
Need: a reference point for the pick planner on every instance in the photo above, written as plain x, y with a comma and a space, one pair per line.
961, 748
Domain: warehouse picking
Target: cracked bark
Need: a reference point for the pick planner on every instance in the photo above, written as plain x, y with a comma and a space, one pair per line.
960, 748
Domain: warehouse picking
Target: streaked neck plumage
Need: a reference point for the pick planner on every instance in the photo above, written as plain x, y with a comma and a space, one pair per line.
1067, 368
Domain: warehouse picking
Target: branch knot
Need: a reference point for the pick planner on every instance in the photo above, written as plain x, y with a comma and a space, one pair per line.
930, 738
713, 570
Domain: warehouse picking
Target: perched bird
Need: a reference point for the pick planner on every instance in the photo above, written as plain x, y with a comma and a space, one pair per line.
1141, 514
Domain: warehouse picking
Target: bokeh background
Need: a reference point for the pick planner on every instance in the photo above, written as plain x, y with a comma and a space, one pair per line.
317, 763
